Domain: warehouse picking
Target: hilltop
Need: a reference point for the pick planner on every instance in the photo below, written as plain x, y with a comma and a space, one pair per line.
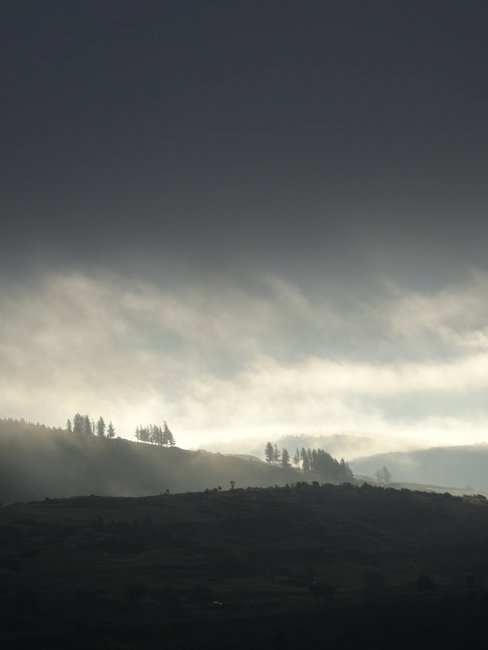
265, 568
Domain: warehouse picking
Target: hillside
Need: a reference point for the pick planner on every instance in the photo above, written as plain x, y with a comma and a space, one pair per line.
455, 466
38, 462
262, 568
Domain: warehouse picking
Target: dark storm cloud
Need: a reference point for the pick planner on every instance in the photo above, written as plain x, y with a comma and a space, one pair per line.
245, 217
285, 134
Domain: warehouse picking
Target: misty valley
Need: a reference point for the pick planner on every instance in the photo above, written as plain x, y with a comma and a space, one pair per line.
111, 544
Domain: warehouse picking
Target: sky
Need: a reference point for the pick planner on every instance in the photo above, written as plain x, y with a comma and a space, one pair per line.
246, 218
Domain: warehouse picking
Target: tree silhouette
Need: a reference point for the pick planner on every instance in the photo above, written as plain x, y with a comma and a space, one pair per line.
168, 438
156, 435
383, 475
269, 452
110, 430
296, 458
100, 427
276, 454
87, 426
305, 460
285, 458
78, 421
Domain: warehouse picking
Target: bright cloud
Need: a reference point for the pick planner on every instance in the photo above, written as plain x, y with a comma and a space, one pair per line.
225, 361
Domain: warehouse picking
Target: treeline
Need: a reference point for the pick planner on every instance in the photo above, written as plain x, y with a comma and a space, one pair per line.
156, 435
310, 461
151, 433
84, 424
19, 427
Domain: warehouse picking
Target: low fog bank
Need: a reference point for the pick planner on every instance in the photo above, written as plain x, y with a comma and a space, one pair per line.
340, 445
463, 466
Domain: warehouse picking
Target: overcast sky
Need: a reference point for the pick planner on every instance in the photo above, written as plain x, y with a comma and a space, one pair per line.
246, 217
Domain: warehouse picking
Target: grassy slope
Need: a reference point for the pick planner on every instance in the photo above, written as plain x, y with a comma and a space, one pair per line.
40, 462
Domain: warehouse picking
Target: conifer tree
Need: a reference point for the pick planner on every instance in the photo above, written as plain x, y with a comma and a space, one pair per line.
157, 435
69, 428
276, 454
296, 458
168, 437
87, 426
269, 452
143, 434
100, 427
110, 430
285, 458
78, 423
310, 460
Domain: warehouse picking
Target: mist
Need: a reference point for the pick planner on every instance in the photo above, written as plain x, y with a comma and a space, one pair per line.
262, 356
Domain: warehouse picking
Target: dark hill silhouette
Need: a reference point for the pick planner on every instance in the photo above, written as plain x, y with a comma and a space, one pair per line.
454, 466
303, 566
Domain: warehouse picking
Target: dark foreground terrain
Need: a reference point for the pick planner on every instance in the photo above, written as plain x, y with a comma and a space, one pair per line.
306, 566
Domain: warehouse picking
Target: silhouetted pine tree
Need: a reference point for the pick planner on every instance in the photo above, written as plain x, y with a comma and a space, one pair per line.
168, 438
87, 426
296, 458
269, 452
285, 458
78, 423
155, 434
276, 454
101, 427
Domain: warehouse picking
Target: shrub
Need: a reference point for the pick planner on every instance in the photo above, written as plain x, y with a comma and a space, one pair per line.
375, 582
135, 593
425, 583
201, 595
27, 600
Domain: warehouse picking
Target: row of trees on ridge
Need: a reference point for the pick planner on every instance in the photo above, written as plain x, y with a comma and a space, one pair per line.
152, 433
156, 435
84, 424
310, 461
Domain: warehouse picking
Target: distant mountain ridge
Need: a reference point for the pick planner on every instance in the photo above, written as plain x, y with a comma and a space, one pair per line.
454, 466
339, 445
